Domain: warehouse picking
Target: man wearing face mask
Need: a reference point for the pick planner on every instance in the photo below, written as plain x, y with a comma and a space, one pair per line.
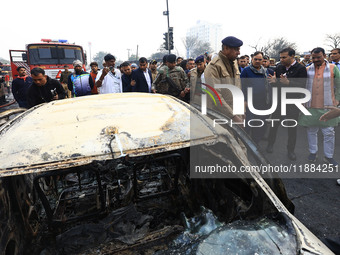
79, 82
109, 79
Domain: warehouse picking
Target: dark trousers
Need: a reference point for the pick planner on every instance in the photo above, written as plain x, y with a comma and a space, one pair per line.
292, 131
257, 132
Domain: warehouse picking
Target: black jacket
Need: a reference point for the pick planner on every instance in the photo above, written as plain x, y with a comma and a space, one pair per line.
297, 76
41, 94
141, 84
20, 88
126, 80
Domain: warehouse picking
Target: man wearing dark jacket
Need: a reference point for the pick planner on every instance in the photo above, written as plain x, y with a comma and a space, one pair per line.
289, 73
126, 77
44, 89
20, 87
141, 79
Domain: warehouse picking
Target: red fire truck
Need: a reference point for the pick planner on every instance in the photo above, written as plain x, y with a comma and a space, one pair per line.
50, 55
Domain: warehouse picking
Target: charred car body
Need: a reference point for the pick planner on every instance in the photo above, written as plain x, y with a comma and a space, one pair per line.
109, 174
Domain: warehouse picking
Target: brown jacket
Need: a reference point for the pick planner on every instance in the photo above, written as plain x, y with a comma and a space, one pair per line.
222, 71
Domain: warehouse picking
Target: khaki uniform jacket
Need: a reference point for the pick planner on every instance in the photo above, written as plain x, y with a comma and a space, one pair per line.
217, 72
194, 87
64, 77
154, 74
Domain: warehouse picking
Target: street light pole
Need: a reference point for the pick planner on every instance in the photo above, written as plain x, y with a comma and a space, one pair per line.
167, 12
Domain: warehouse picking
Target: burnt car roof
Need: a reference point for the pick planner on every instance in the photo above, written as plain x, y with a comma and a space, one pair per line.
79, 130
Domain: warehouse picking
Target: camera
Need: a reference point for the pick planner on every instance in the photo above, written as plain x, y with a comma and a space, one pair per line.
54, 92
111, 68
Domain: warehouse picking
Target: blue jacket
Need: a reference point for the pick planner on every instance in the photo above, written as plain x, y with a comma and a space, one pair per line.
20, 88
141, 84
258, 83
80, 84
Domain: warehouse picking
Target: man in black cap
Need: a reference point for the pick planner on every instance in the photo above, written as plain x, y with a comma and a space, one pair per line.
164, 60
171, 79
195, 78
223, 69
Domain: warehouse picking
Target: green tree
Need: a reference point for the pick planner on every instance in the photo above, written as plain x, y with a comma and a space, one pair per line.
160, 53
99, 57
4, 61
133, 57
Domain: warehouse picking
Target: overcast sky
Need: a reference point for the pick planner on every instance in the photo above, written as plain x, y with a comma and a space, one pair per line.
115, 26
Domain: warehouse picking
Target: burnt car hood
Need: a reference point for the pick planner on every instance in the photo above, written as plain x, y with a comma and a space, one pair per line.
79, 130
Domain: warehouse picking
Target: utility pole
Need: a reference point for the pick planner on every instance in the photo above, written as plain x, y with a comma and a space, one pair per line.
90, 44
137, 53
168, 34
128, 53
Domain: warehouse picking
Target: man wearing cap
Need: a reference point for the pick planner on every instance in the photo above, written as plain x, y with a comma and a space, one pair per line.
79, 82
134, 66
223, 69
153, 69
109, 80
64, 80
195, 78
171, 79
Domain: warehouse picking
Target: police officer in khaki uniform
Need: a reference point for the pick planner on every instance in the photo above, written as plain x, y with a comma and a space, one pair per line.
195, 78
223, 69
64, 79
171, 79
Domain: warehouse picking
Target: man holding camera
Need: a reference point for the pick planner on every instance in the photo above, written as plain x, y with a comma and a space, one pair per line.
44, 89
109, 79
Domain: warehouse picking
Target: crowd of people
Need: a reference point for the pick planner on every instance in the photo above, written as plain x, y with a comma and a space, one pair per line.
183, 79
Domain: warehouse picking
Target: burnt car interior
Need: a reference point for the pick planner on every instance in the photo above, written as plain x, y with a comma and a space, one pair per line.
130, 204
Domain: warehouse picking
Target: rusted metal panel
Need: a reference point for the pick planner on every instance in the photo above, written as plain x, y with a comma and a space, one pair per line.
97, 127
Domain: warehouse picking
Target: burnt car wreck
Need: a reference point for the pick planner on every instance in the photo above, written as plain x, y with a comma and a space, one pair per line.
103, 182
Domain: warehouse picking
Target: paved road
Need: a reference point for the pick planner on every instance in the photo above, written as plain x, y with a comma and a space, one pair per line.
317, 201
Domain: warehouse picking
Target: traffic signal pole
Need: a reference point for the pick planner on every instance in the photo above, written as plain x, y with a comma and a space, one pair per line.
167, 11
168, 37
167, 34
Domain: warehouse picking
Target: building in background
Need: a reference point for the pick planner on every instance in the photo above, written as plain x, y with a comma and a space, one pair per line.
207, 32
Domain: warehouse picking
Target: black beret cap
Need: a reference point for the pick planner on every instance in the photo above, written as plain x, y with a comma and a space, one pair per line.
232, 41
165, 58
109, 57
171, 58
199, 59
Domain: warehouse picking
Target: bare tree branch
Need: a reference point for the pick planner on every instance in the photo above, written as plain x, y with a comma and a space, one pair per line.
333, 40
